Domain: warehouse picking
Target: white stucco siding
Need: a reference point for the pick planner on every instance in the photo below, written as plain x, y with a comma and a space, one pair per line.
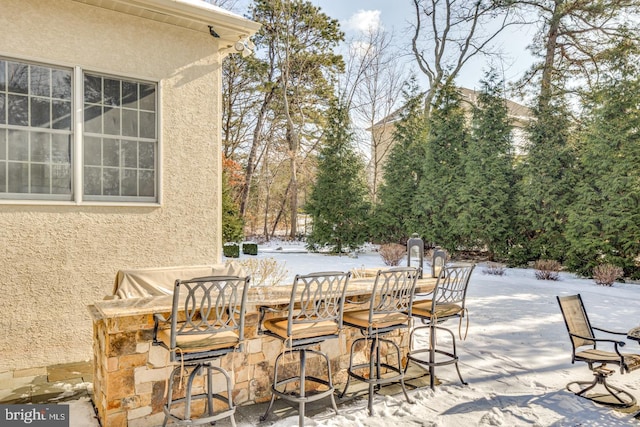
57, 259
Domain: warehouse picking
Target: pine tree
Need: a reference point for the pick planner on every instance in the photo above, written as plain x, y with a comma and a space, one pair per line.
604, 225
394, 220
488, 192
545, 189
438, 202
338, 202
232, 224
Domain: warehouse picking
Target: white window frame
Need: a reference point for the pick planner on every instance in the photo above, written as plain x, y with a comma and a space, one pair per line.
77, 133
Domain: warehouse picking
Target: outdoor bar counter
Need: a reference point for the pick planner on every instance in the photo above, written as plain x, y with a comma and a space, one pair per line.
130, 374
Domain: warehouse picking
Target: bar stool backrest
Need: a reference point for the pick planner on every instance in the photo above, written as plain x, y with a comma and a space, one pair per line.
452, 285
205, 306
392, 294
317, 297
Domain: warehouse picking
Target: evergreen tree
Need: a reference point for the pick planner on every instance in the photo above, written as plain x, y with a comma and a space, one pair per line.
488, 193
604, 224
232, 224
545, 188
438, 202
394, 220
338, 202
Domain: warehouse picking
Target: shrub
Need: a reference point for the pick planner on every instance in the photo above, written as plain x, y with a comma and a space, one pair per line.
547, 269
250, 248
231, 250
606, 274
494, 269
265, 271
392, 253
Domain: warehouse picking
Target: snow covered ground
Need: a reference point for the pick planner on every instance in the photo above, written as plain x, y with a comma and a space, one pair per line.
516, 357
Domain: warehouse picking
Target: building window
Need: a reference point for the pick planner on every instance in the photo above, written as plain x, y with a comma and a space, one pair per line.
119, 139
35, 131
118, 148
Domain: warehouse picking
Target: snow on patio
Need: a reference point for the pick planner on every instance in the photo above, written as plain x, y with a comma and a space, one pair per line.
516, 358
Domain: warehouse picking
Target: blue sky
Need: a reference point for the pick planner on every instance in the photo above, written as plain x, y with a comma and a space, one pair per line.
397, 15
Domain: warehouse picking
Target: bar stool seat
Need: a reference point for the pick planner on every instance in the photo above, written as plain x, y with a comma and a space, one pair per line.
314, 315
389, 309
206, 322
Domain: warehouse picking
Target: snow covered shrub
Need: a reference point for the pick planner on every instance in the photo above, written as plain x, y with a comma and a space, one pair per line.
547, 269
392, 253
606, 274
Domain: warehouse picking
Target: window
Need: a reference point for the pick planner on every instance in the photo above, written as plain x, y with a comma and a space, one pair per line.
39, 147
35, 131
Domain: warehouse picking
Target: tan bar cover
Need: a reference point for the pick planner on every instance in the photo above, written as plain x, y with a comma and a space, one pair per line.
160, 281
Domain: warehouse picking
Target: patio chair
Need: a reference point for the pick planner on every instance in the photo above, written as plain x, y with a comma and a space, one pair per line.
584, 349
448, 301
206, 322
389, 309
314, 315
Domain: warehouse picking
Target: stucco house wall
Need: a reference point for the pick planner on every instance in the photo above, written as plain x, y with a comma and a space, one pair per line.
59, 257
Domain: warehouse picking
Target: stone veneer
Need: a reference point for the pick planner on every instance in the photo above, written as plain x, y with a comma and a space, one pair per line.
131, 374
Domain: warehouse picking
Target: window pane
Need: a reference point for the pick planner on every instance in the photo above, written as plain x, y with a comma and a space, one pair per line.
93, 119
60, 179
18, 77
92, 89
147, 155
3, 144
111, 152
92, 181
130, 182
61, 115
147, 97
40, 151
18, 145
61, 149
3, 177
129, 122
40, 178
61, 84
111, 121
18, 110
111, 181
18, 177
147, 125
40, 81
40, 112
130, 94
111, 92
3, 109
92, 151
130, 154
147, 184
3, 75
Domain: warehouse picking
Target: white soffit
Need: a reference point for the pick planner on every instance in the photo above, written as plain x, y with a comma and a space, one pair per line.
193, 14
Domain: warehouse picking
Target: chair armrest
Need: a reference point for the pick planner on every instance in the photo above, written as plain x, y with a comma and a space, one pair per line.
263, 312
609, 332
157, 319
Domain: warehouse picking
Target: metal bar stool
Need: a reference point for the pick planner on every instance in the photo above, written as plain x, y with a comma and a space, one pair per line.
206, 322
389, 310
447, 302
314, 315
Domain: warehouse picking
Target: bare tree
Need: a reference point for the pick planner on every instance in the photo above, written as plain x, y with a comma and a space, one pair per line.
376, 96
572, 37
448, 33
